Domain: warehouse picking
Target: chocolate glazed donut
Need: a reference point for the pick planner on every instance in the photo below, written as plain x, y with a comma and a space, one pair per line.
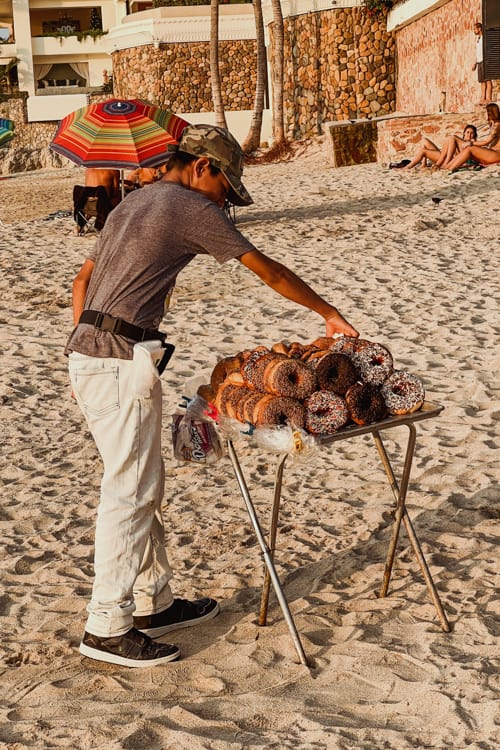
365, 403
335, 372
275, 411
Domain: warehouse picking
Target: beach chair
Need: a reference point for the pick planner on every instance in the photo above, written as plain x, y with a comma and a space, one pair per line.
91, 207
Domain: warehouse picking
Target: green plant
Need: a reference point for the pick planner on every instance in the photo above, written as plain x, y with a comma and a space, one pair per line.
377, 7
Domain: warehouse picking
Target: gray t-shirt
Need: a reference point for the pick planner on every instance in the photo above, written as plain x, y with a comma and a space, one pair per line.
148, 239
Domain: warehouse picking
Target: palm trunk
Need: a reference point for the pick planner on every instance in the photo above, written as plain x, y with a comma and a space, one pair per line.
278, 73
220, 117
252, 141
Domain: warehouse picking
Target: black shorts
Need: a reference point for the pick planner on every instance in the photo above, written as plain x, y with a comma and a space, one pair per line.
480, 72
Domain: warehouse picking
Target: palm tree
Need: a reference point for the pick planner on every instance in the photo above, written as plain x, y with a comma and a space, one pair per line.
278, 73
220, 117
252, 140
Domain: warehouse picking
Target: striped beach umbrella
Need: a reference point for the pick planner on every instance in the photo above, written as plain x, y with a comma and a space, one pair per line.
118, 134
6, 130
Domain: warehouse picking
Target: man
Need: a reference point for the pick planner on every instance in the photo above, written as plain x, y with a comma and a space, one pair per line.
121, 288
108, 179
486, 86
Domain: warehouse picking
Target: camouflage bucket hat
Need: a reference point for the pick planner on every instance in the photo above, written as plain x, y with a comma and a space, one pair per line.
223, 151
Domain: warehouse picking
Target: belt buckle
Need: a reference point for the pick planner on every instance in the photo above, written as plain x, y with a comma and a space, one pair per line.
98, 320
108, 323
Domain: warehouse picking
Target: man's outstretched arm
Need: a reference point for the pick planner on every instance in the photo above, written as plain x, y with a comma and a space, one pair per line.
291, 286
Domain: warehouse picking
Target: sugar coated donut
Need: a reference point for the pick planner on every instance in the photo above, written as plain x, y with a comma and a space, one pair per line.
325, 413
365, 403
275, 411
403, 393
289, 378
374, 363
335, 372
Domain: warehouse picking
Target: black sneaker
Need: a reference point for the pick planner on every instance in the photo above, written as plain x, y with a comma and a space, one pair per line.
132, 649
180, 614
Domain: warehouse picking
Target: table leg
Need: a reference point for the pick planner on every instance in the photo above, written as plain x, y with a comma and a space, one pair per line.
266, 554
402, 515
400, 495
264, 601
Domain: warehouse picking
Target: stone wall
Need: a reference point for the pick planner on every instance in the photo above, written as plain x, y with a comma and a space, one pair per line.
339, 65
435, 58
400, 137
177, 76
29, 147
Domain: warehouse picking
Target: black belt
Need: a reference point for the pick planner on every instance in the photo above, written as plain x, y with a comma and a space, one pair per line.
106, 322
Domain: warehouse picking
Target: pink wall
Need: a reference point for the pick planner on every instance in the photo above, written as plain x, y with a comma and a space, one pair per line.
436, 54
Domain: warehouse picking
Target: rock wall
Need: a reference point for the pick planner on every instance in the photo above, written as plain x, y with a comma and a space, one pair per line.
177, 76
400, 137
339, 65
29, 147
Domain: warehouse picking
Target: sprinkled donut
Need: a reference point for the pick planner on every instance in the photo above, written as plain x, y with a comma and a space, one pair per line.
347, 344
325, 413
248, 367
276, 411
365, 403
289, 378
335, 372
227, 395
259, 367
374, 363
403, 393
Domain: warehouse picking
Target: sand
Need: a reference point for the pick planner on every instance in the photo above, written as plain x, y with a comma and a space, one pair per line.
415, 275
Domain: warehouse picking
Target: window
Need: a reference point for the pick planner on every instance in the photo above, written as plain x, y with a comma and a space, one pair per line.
491, 36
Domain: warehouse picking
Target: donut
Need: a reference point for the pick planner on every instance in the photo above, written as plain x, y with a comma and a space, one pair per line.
324, 342
207, 392
223, 368
248, 405
227, 396
280, 347
403, 393
277, 411
260, 366
347, 344
365, 403
374, 363
248, 367
296, 350
335, 372
289, 378
325, 413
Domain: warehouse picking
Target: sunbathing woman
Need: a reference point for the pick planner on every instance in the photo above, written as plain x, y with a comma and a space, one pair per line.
485, 152
452, 145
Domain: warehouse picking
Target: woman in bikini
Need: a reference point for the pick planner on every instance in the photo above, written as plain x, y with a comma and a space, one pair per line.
485, 152
441, 157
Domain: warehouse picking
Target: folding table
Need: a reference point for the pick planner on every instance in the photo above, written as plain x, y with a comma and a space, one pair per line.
399, 491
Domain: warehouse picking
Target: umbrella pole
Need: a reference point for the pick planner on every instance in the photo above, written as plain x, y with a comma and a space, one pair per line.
122, 181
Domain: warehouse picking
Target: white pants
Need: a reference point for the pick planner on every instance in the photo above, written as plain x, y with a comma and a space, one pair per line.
131, 567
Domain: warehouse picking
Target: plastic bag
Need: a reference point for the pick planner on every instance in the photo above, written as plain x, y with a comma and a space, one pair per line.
297, 443
194, 434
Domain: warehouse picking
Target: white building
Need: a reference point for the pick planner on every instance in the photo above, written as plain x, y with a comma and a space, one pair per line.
59, 51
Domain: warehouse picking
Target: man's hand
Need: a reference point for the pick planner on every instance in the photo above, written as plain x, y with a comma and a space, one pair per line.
335, 323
